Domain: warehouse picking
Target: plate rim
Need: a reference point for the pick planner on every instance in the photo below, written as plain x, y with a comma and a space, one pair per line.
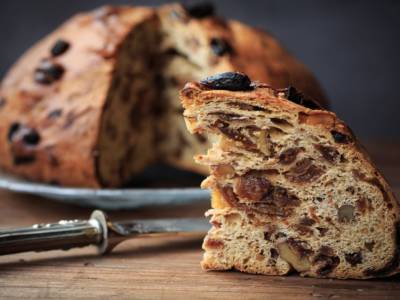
126, 198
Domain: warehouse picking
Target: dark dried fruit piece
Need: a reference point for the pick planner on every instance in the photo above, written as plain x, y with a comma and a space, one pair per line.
328, 152
340, 137
22, 139
295, 96
201, 10
267, 235
59, 47
304, 171
252, 187
369, 245
28, 136
280, 235
280, 197
327, 261
281, 123
278, 201
14, 127
302, 166
326, 250
48, 72
274, 253
307, 221
220, 46
301, 247
231, 81
31, 137
350, 190
353, 258
234, 134
289, 155
322, 231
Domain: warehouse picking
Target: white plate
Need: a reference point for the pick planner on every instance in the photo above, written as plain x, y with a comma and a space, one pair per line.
111, 199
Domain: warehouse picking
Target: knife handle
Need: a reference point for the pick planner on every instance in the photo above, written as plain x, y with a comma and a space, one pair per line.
63, 235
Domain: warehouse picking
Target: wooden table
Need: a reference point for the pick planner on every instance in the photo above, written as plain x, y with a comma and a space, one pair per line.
160, 268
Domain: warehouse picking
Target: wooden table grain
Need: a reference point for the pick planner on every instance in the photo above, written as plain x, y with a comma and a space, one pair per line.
161, 268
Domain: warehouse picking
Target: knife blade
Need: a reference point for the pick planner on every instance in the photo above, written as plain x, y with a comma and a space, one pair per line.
98, 231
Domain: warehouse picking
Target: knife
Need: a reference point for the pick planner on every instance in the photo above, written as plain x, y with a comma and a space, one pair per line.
98, 231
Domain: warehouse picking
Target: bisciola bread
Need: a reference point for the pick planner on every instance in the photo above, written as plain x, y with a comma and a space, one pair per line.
292, 189
96, 101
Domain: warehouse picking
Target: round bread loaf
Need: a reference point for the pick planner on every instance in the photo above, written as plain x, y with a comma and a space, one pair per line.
96, 101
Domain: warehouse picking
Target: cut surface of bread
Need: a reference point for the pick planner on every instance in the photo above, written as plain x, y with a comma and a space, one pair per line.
96, 101
292, 189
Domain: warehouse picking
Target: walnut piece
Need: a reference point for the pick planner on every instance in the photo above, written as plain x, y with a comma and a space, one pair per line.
346, 213
295, 259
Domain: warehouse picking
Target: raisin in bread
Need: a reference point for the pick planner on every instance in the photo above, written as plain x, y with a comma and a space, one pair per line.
291, 187
96, 101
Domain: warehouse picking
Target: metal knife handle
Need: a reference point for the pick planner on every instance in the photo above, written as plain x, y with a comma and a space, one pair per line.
63, 235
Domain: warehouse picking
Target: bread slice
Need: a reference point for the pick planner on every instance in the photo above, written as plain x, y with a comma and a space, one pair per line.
96, 101
292, 189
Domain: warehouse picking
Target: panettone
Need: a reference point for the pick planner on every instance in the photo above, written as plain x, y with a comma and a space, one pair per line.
96, 101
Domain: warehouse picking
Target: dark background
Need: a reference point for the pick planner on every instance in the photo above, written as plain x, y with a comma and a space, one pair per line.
353, 47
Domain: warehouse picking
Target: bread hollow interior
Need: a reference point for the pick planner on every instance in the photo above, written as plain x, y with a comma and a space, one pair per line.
142, 122
127, 135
